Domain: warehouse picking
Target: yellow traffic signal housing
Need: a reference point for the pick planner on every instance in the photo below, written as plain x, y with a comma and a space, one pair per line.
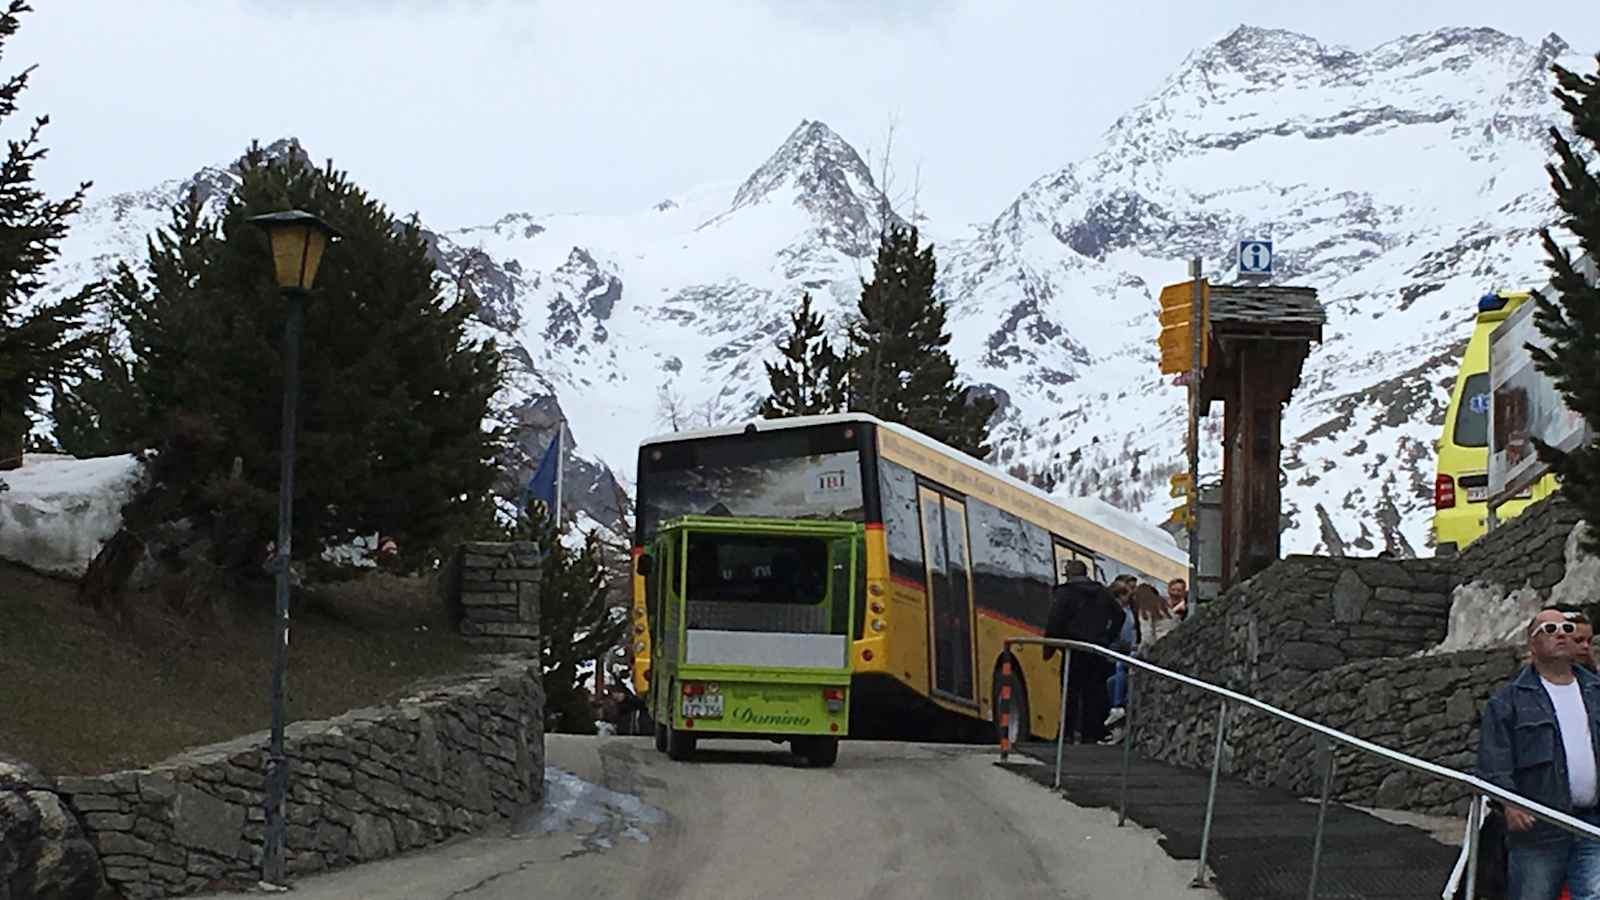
1176, 315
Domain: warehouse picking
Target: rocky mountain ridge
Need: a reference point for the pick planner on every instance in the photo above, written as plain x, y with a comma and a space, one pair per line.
1401, 182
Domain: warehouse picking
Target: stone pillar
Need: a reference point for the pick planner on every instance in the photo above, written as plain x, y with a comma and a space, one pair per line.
498, 594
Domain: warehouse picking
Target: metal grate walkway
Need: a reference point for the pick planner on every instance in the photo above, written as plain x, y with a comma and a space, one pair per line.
1261, 838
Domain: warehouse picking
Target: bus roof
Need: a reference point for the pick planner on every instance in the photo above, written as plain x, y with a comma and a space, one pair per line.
1092, 509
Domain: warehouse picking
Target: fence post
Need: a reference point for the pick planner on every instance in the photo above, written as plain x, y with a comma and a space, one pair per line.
1474, 825
1322, 815
1211, 795
1127, 751
1061, 723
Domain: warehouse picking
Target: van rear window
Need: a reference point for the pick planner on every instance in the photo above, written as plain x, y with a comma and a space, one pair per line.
1472, 418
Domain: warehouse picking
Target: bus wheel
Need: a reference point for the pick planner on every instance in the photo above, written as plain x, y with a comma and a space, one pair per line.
661, 738
680, 746
820, 752
1017, 728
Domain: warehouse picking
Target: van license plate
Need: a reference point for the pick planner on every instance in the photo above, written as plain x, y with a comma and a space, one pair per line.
703, 706
1477, 494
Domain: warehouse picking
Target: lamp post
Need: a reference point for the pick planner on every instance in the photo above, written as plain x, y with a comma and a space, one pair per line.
298, 239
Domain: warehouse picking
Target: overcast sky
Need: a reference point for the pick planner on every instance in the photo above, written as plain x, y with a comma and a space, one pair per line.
467, 109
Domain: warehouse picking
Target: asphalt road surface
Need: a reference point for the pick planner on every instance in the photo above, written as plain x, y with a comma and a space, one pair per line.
746, 820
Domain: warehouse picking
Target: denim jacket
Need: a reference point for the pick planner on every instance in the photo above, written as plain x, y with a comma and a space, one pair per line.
1520, 749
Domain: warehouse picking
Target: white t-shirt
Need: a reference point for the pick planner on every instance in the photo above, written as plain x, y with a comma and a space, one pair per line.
1573, 720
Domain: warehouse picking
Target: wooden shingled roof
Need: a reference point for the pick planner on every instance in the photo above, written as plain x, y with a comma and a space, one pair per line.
1266, 310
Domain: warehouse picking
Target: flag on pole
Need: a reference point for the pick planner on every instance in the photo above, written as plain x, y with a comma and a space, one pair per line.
545, 483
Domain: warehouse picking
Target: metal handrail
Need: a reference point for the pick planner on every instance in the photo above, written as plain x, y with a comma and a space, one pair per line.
1329, 736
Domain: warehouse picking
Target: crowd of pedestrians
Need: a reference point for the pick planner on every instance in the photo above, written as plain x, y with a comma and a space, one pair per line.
1125, 616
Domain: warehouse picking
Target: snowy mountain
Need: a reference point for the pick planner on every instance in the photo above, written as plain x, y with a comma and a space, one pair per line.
1401, 182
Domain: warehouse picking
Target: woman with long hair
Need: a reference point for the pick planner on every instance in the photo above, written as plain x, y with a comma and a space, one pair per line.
1155, 617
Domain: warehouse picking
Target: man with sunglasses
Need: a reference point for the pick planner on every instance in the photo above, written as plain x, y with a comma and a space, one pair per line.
1538, 738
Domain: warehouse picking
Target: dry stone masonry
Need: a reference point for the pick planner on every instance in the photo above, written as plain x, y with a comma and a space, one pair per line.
454, 757
494, 593
1361, 645
44, 851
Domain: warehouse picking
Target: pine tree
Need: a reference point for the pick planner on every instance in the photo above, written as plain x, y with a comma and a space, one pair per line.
1572, 320
577, 624
811, 379
394, 394
899, 367
40, 343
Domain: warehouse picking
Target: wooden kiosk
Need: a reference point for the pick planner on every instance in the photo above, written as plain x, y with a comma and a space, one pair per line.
1258, 339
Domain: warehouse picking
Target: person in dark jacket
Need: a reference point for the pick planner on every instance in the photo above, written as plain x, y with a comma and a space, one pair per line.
1083, 609
1540, 737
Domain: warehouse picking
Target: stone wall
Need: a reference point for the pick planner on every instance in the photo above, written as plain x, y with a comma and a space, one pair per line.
457, 755
1424, 706
43, 849
1528, 550
1310, 614
492, 590
1360, 645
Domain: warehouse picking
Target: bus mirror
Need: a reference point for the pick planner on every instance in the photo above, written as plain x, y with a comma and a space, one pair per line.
647, 564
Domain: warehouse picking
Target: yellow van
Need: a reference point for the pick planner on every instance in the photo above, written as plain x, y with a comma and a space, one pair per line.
1461, 488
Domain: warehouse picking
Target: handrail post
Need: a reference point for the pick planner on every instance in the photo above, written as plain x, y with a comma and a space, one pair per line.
1322, 817
1061, 721
1211, 795
1127, 751
1474, 825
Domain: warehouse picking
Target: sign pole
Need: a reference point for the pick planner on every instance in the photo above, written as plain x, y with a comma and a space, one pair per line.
1195, 326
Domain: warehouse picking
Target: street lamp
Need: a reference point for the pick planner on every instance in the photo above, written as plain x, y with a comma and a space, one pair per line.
298, 239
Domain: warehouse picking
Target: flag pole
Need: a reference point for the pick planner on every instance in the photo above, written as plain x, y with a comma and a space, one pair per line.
561, 448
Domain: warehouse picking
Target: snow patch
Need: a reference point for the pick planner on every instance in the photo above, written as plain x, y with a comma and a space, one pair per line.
57, 511
600, 814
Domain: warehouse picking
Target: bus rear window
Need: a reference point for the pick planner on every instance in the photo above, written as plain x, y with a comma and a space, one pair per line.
822, 486
1472, 416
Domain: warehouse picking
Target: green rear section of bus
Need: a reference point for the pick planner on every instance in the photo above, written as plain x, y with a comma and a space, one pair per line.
750, 624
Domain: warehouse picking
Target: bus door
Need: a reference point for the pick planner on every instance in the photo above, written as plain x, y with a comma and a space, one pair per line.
944, 539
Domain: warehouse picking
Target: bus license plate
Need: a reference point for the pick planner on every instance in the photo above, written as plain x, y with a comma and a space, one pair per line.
703, 706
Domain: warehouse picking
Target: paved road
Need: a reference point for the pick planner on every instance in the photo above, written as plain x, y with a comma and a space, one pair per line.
744, 820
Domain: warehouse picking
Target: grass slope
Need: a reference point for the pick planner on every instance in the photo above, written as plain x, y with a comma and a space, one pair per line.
84, 693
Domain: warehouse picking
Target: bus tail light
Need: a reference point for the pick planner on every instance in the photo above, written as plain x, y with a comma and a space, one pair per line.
1444, 492
692, 689
876, 607
834, 697
878, 625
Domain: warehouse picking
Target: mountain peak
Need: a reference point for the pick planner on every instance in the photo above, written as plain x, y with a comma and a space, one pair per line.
828, 179
1249, 48
811, 157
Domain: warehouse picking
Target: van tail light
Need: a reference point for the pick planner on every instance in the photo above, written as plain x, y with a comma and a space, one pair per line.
1444, 492
834, 698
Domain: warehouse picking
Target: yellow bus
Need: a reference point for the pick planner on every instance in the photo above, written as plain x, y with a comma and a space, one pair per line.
1461, 484
959, 556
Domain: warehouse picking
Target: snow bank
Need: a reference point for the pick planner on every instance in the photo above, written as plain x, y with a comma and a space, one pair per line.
57, 511
1485, 614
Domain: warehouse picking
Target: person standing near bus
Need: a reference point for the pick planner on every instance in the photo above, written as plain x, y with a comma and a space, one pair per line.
1084, 610
1538, 739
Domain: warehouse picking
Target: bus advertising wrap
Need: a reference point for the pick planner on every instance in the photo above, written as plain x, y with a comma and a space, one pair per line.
1522, 404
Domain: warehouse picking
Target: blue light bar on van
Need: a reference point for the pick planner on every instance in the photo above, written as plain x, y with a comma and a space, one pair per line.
1491, 302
